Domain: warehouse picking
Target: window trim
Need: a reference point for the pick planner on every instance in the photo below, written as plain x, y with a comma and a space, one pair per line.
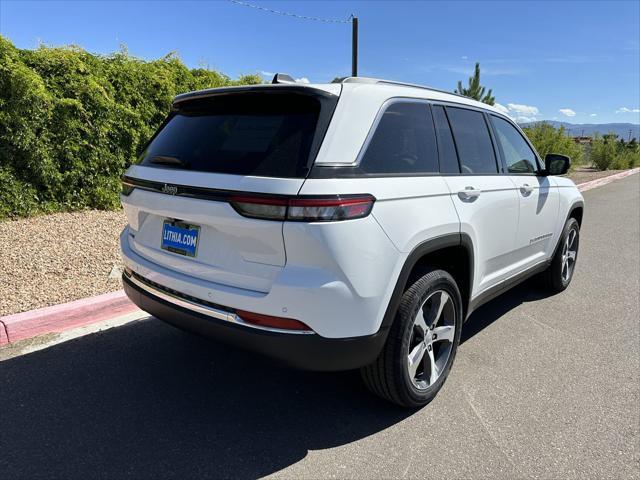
352, 170
372, 131
455, 147
536, 155
496, 158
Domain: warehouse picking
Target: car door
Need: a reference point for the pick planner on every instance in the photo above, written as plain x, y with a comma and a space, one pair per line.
538, 195
485, 200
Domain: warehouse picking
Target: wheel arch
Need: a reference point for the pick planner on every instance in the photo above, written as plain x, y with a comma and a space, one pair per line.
576, 211
451, 252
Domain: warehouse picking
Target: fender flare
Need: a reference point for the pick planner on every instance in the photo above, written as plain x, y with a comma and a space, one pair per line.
574, 206
422, 249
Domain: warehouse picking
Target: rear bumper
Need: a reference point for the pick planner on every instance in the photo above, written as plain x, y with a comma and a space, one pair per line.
308, 352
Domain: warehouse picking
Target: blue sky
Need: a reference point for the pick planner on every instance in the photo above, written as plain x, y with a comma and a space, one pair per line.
572, 61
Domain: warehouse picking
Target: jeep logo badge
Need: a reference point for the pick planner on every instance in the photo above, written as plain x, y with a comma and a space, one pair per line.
170, 189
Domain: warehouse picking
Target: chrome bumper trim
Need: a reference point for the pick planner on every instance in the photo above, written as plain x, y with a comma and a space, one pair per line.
205, 309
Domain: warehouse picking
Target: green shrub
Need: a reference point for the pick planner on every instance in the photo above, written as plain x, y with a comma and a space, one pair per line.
609, 154
71, 122
548, 139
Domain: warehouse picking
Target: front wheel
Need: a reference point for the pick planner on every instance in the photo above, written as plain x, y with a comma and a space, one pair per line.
422, 343
559, 274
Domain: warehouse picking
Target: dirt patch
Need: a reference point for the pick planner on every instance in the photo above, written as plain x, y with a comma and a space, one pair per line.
58, 258
586, 174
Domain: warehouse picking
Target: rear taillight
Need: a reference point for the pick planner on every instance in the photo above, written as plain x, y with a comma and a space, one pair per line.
272, 322
304, 209
266, 208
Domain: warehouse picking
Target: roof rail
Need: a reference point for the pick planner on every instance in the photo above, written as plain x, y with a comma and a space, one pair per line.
368, 80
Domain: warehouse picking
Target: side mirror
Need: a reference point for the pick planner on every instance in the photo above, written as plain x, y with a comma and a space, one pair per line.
556, 164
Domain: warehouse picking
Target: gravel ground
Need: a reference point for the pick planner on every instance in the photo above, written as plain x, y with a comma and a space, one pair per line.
57, 258
45, 259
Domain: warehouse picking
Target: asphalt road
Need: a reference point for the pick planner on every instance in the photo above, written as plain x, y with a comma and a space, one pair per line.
543, 387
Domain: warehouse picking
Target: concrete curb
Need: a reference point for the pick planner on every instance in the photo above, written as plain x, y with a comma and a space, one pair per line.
65, 316
4, 339
583, 187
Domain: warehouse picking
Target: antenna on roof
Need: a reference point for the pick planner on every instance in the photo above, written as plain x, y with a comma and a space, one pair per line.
282, 78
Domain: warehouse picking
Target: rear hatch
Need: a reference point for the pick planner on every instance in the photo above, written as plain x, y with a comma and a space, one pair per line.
216, 150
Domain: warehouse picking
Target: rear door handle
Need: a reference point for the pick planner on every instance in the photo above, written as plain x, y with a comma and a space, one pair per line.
526, 188
469, 193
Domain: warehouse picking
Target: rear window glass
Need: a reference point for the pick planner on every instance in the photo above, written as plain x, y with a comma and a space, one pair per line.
475, 149
242, 134
404, 141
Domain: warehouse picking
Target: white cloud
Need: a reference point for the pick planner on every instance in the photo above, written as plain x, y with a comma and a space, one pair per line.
502, 108
464, 57
567, 112
593, 114
302, 80
525, 119
266, 74
526, 110
519, 112
628, 110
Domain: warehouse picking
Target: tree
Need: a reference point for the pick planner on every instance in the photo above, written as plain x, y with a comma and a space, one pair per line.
475, 90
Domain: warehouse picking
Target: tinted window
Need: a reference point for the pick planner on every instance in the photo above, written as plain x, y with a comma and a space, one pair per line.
471, 134
517, 153
404, 141
446, 147
243, 134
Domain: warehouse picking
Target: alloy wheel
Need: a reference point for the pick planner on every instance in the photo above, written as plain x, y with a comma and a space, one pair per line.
569, 253
431, 339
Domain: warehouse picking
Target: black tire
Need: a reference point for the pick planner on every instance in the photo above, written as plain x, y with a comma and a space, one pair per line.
388, 376
553, 278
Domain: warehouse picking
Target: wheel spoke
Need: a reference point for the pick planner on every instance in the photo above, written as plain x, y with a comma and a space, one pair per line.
421, 323
571, 254
439, 300
444, 333
415, 358
433, 369
571, 239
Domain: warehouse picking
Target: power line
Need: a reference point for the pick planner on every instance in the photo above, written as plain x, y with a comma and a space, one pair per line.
288, 14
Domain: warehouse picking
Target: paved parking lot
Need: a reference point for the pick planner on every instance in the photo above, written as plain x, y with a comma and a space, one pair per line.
543, 387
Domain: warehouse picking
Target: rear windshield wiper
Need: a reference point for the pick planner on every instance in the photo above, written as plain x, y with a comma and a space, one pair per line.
167, 160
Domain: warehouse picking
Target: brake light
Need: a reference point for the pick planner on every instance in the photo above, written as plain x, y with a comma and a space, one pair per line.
304, 209
272, 322
267, 208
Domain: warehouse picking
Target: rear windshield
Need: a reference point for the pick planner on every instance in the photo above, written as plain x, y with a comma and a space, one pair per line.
261, 134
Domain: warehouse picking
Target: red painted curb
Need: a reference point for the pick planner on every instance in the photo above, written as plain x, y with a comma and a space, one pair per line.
65, 316
3, 334
583, 187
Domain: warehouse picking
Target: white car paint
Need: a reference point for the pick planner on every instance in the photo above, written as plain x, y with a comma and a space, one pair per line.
338, 277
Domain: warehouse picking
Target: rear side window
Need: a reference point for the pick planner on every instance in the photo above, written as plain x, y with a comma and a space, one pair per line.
403, 142
517, 153
446, 147
240, 134
473, 142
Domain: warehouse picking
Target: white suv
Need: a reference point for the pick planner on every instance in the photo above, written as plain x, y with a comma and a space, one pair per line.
347, 225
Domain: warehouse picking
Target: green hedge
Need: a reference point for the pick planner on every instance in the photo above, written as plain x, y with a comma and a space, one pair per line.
71, 122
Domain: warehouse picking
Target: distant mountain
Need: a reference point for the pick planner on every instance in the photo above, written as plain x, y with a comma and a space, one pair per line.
588, 129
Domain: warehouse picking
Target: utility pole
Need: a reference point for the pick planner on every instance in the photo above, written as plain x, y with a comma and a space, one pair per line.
354, 46
629, 135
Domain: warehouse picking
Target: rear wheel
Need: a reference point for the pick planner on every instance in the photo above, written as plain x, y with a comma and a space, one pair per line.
559, 274
422, 343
